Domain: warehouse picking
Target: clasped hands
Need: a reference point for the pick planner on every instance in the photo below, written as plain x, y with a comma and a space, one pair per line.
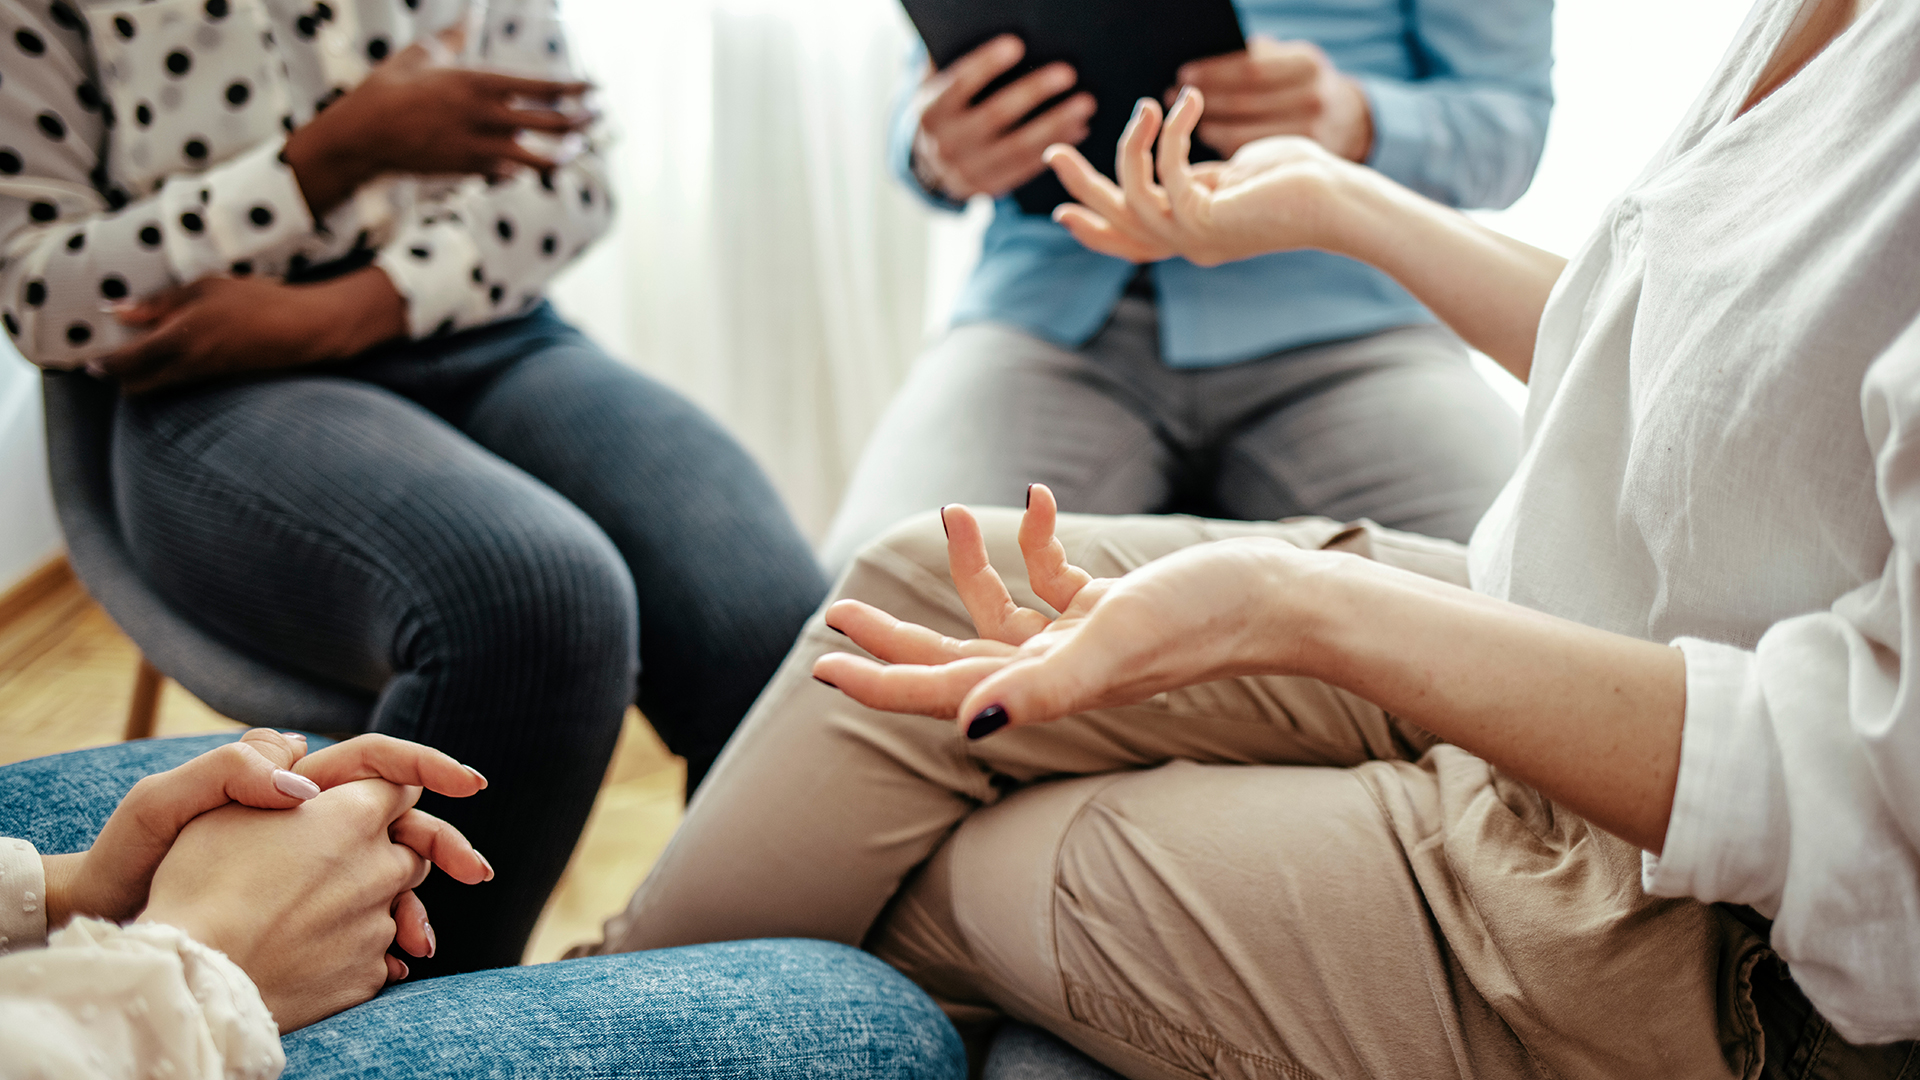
299, 867
1211, 611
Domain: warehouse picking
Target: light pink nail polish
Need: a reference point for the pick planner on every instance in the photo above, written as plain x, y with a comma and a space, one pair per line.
433, 944
295, 736
485, 863
477, 774
293, 785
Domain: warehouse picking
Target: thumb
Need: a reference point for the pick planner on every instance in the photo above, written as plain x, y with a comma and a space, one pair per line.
1032, 691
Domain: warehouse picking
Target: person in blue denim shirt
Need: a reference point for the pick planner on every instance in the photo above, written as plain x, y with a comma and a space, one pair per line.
1297, 383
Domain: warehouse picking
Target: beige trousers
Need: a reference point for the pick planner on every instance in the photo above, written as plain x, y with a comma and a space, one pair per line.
1260, 877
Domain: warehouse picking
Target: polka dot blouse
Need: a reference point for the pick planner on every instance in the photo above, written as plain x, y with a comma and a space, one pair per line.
140, 148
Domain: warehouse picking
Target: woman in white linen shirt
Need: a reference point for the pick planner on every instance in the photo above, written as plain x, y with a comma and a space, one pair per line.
308, 239
1692, 632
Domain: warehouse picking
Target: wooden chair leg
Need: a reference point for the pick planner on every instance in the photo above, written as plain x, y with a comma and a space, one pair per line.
146, 700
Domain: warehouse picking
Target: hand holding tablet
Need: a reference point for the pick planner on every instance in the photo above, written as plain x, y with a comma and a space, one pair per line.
1071, 75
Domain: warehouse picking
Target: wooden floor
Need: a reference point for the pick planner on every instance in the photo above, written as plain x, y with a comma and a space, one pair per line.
66, 677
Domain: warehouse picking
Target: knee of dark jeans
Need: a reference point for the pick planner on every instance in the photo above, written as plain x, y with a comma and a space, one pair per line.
538, 617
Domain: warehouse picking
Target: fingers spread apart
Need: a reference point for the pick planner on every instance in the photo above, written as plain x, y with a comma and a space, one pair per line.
1052, 578
995, 615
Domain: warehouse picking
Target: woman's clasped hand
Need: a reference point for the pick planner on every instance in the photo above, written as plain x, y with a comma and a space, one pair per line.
299, 866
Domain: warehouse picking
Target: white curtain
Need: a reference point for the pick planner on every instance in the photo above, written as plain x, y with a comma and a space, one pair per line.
764, 263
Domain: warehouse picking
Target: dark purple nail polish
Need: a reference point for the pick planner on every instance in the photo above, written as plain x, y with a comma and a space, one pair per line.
943, 522
1029, 496
987, 721
823, 682
836, 629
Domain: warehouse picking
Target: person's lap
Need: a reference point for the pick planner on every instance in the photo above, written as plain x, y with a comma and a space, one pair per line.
1390, 908
758, 1008
345, 525
1395, 427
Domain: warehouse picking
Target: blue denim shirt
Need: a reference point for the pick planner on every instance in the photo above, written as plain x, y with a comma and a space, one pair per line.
1460, 94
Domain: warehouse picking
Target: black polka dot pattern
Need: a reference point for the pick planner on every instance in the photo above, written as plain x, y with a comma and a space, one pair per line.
201, 85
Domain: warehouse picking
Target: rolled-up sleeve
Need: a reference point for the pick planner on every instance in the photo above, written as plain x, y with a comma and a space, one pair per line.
1799, 785
1469, 128
480, 253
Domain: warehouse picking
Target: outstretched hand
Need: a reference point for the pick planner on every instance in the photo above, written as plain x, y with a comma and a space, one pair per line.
1274, 194
1200, 614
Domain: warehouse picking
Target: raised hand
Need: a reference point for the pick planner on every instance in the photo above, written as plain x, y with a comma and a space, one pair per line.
962, 149
414, 115
1204, 613
1274, 194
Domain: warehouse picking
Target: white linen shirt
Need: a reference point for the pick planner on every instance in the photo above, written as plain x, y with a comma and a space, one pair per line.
1723, 452
140, 148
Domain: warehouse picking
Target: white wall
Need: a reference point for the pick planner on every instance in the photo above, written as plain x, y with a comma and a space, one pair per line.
28, 533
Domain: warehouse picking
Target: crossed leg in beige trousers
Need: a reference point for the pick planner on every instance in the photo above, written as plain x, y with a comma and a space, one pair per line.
1258, 877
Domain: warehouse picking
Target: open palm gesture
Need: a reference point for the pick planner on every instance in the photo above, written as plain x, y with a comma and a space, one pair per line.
1194, 616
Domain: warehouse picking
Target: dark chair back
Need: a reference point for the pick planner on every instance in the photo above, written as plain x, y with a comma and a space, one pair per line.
233, 682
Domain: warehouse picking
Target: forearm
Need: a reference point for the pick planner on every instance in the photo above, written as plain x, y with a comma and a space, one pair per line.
1591, 719
1490, 288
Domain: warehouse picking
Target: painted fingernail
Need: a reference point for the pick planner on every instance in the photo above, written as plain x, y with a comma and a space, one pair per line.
836, 629
404, 969
1138, 108
477, 775
986, 722
485, 863
433, 943
943, 522
293, 785
823, 682
295, 736
1029, 496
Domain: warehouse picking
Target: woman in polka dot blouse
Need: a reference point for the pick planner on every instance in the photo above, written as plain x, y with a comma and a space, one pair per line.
309, 244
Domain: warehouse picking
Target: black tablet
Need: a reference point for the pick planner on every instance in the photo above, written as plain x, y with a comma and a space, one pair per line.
1123, 50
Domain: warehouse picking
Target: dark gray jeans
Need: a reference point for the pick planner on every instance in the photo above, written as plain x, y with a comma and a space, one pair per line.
1395, 426
503, 538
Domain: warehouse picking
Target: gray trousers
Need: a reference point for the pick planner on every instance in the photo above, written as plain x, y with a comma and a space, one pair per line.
1396, 427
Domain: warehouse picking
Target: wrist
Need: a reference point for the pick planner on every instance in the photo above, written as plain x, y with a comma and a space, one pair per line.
355, 312
61, 890
327, 169
1302, 607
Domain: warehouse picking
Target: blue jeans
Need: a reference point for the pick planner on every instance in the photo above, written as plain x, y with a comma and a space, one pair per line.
746, 1008
501, 539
